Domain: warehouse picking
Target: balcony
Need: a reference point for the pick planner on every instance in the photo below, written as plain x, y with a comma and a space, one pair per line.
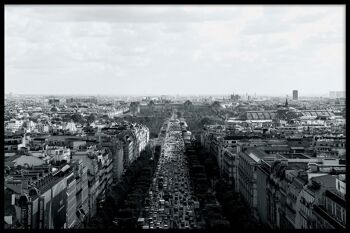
319, 210
290, 213
336, 197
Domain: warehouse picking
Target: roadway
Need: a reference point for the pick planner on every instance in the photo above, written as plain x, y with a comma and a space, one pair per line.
170, 203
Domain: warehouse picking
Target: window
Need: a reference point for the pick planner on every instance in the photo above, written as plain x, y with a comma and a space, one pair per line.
329, 206
338, 212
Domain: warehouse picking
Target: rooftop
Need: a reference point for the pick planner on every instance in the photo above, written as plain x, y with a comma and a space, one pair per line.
327, 180
258, 115
30, 160
256, 154
316, 113
295, 156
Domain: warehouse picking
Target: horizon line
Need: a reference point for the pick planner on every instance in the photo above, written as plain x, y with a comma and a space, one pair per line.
192, 94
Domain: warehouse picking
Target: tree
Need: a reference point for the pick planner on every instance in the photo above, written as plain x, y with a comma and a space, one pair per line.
91, 118
78, 118
151, 103
228, 197
207, 121
216, 104
188, 103
66, 118
105, 117
56, 119
179, 114
34, 119
220, 188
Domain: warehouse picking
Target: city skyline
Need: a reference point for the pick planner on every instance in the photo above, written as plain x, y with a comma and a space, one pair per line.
285, 95
203, 117
169, 50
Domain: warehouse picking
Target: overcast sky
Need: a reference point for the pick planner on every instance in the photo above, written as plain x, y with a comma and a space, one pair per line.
117, 50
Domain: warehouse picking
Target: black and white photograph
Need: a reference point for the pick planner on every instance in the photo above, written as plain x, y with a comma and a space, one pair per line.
200, 117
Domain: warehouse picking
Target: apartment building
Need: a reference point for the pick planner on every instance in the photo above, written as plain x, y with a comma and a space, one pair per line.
41, 196
329, 210
249, 161
12, 142
14, 125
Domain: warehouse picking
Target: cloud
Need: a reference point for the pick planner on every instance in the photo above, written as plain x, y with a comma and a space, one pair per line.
134, 14
265, 26
139, 49
309, 14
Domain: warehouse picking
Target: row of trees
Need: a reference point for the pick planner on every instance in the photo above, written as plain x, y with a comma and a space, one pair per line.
197, 117
210, 210
233, 207
75, 117
153, 123
133, 204
123, 198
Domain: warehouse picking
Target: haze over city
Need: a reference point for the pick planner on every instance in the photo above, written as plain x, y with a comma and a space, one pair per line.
140, 50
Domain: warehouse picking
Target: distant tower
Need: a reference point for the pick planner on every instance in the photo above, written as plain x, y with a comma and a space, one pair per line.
286, 104
295, 94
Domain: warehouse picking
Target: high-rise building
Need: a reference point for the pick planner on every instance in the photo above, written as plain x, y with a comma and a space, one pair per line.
295, 94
